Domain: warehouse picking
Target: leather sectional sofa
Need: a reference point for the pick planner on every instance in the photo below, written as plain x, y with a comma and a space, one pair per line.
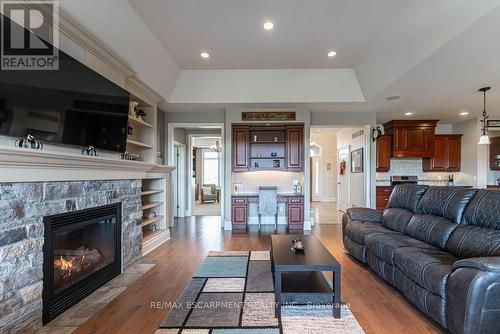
440, 246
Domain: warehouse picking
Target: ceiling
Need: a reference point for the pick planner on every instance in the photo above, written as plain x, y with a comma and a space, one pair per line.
435, 54
231, 31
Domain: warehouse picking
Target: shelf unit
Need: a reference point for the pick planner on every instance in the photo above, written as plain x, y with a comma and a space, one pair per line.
155, 230
142, 139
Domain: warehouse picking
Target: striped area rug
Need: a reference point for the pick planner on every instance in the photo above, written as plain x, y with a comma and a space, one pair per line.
233, 293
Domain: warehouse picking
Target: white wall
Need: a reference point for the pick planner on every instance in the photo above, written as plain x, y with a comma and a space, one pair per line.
260, 86
357, 181
132, 40
328, 143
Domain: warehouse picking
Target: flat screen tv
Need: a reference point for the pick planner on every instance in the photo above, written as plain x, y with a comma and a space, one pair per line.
73, 105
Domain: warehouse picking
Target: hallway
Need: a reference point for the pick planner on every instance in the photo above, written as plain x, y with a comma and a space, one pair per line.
326, 213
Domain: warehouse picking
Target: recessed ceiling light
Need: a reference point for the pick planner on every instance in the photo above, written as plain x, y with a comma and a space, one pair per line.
332, 54
204, 55
408, 113
268, 26
464, 113
392, 98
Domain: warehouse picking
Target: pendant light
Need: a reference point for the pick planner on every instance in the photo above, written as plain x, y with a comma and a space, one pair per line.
484, 139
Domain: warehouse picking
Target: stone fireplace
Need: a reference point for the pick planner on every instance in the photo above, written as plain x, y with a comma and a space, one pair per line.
82, 252
29, 211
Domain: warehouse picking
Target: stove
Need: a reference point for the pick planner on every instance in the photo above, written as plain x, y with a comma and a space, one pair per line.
401, 179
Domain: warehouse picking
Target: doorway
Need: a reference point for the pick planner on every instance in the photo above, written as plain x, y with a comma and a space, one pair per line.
343, 178
189, 145
323, 161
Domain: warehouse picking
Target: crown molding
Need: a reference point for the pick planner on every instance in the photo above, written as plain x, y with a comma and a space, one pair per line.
79, 35
139, 88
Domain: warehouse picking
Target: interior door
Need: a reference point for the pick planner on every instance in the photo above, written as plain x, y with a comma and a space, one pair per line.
343, 179
316, 179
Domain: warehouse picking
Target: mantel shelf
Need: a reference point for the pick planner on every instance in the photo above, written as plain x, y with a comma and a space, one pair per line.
27, 165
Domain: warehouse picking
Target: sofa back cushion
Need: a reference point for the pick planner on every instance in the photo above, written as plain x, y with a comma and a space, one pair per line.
438, 214
402, 205
479, 233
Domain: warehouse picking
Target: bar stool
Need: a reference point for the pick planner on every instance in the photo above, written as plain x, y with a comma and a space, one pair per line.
268, 203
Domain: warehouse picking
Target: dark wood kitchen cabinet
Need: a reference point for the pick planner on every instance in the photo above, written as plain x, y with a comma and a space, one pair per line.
495, 153
383, 194
241, 148
447, 154
412, 138
258, 147
295, 143
384, 143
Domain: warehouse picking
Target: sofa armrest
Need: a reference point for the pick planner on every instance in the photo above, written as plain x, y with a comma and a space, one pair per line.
365, 215
481, 263
472, 294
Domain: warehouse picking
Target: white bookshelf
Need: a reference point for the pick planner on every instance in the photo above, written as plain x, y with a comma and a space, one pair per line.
155, 229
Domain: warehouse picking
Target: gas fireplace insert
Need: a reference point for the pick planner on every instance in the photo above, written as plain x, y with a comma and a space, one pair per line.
82, 251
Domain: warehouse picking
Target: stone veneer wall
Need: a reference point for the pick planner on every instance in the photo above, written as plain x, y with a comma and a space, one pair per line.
22, 208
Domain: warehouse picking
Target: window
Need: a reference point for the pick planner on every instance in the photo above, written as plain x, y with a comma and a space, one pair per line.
210, 167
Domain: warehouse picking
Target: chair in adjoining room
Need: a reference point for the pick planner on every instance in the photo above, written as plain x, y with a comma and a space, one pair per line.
268, 203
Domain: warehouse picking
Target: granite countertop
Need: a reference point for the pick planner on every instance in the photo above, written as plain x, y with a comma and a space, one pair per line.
256, 194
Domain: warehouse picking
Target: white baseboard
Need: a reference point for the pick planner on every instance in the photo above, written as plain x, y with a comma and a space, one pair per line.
228, 226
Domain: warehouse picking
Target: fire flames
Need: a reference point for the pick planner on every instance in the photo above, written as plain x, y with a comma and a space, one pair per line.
65, 264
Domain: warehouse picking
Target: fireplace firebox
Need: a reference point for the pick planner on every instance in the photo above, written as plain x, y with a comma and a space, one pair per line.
82, 252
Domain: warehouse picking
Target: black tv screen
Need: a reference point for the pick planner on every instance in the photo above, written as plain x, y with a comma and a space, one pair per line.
73, 105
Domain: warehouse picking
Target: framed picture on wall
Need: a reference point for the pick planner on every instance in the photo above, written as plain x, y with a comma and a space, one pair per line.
357, 161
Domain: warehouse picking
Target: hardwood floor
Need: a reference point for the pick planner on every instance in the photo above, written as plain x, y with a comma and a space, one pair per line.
378, 307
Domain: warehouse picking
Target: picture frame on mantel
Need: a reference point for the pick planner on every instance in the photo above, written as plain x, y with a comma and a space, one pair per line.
357, 161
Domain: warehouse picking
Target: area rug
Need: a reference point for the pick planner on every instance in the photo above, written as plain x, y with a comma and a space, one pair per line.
233, 293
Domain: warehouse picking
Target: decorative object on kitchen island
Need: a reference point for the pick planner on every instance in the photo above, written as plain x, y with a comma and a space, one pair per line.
357, 161
29, 142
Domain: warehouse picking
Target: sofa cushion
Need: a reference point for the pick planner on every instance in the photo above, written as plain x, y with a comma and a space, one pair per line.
438, 214
479, 233
382, 268
446, 202
357, 230
406, 196
384, 245
396, 219
434, 230
429, 268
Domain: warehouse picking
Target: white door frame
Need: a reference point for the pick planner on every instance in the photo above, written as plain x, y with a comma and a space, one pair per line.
180, 174
170, 155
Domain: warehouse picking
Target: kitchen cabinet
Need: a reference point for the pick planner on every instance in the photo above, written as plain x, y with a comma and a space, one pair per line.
295, 151
241, 143
383, 194
495, 153
278, 147
447, 154
384, 143
411, 138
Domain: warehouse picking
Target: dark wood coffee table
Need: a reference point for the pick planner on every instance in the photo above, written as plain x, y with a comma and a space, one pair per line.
299, 277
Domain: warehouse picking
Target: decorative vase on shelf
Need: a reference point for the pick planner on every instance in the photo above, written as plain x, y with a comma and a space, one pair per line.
140, 114
132, 108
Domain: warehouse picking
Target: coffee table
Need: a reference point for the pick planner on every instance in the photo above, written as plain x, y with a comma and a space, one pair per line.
299, 277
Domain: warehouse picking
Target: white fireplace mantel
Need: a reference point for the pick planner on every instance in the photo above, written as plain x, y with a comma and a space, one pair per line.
27, 165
